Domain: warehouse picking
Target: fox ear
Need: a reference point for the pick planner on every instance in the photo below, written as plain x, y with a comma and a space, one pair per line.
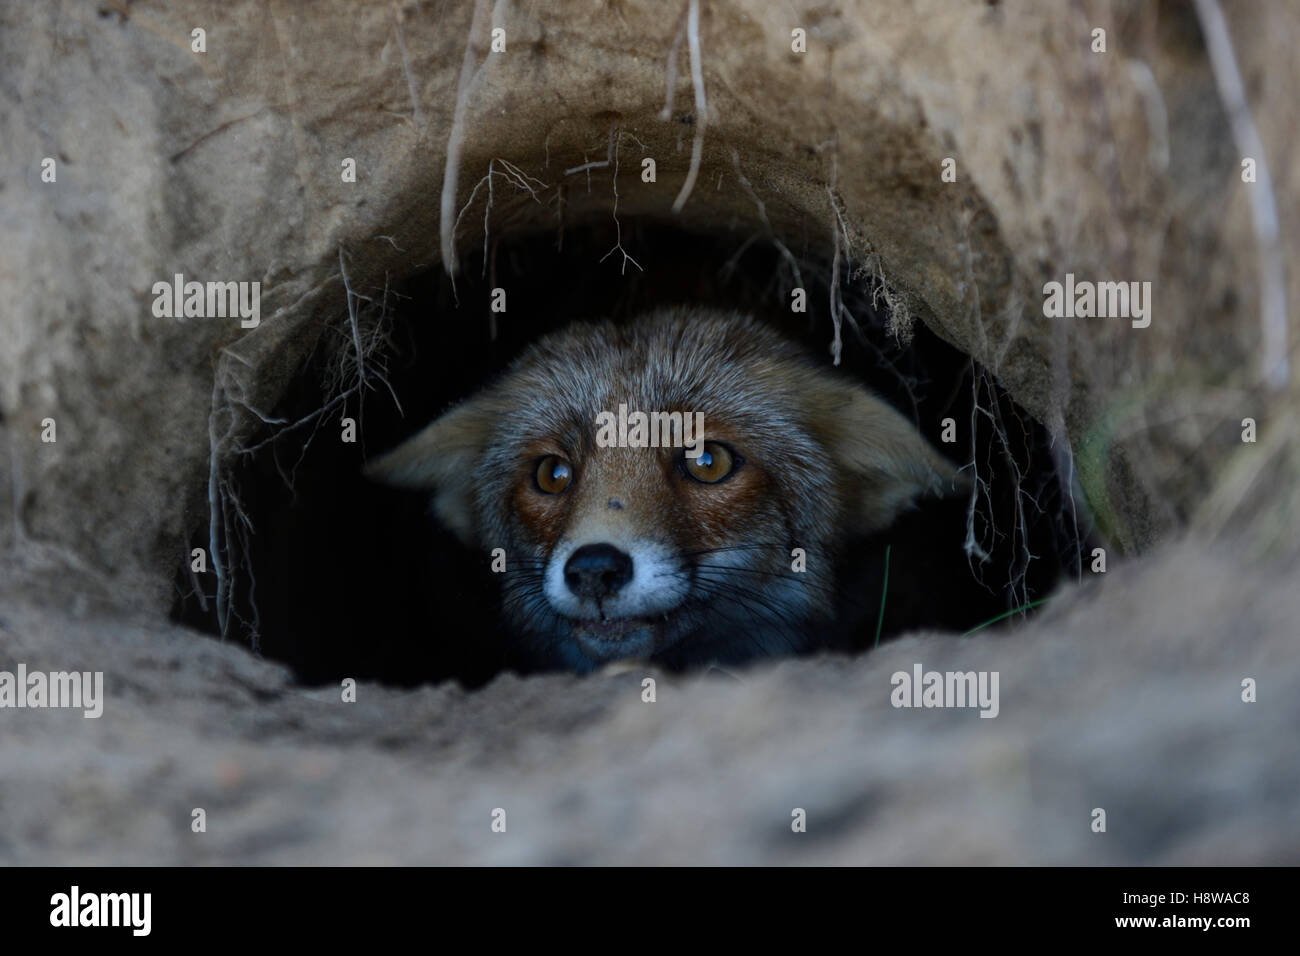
442, 458
885, 463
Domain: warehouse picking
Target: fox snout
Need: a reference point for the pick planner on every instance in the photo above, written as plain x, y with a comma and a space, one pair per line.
596, 572
610, 595
634, 550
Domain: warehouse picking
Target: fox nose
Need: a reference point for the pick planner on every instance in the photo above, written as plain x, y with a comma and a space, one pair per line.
597, 571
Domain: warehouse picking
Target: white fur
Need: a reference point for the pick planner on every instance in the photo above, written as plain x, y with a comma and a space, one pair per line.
658, 582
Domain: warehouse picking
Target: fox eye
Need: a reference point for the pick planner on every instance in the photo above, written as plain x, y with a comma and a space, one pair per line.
715, 463
553, 474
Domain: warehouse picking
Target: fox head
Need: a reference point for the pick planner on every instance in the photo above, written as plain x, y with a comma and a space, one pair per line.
676, 554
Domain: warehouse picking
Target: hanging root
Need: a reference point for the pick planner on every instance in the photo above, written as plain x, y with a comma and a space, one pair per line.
618, 229
1021, 556
838, 250
837, 299
352, 298
355, 371
610, 161
981, 510
1275, 367
595, 164
218, 526
416, 115
974, 549
666, 113
455, 142
837, 344
691, 30
786, 255
522, 182
357, 348
1063, 457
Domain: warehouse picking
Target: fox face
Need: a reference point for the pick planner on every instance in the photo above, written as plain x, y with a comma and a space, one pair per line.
719, 546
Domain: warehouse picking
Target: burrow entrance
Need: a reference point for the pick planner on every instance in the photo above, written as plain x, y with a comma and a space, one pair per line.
339, 577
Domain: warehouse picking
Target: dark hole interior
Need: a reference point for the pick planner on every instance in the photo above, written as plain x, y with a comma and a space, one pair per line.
346, 578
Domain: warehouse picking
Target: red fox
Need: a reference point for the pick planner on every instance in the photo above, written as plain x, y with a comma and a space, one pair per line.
713, 547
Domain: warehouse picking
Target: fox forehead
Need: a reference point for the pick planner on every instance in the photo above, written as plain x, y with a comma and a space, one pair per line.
739, 374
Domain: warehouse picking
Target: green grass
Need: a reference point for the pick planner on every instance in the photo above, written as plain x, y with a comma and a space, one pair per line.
884, 589
884, 592
1006, 614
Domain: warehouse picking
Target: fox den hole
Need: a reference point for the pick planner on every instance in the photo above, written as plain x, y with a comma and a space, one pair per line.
338, 576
